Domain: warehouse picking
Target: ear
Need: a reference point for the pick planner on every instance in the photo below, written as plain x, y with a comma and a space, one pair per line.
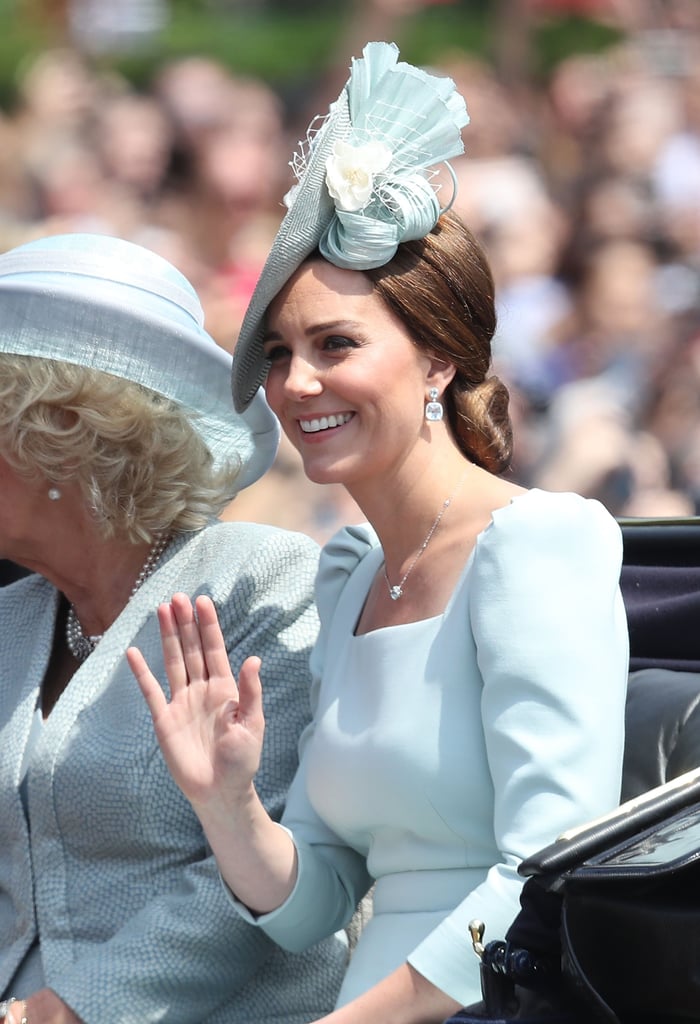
439, 374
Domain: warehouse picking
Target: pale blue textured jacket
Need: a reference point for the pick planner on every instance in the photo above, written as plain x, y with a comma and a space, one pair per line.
111, 870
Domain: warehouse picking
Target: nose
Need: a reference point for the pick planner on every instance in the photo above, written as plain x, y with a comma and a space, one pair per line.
303, 378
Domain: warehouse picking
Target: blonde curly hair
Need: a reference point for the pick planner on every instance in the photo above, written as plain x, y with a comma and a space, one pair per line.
141, 465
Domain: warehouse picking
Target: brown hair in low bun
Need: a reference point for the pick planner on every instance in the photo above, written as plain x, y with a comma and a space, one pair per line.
442, 289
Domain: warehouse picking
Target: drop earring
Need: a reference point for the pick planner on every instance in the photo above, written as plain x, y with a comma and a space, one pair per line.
54, 494
433, 408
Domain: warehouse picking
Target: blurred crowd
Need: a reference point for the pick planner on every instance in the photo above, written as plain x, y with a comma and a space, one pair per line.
584, 188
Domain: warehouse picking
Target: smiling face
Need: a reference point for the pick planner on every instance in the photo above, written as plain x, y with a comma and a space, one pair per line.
346, 381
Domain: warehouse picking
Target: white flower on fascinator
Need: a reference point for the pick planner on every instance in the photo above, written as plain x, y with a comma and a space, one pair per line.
403, 122
350, 173
365, 183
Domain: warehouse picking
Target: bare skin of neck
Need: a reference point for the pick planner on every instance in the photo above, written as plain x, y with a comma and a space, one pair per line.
95, 574
98, 600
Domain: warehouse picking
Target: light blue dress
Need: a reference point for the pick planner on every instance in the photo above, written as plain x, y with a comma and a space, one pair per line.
444, 751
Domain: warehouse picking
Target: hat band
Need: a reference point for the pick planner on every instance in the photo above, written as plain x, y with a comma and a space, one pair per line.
43, 261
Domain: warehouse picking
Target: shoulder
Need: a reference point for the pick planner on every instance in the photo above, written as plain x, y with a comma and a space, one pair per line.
254, 545
542, 538
244, 565
23, 593
27, 612
340, 556
555, 518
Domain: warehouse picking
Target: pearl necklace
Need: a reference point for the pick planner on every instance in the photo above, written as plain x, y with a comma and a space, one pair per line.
80, 644
396, 591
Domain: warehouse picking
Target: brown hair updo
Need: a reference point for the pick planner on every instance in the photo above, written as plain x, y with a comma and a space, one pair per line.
442, 290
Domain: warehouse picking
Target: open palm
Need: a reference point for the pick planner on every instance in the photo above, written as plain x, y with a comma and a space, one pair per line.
211, 730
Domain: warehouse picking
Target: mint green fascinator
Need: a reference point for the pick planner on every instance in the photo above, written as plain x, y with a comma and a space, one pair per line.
364, 185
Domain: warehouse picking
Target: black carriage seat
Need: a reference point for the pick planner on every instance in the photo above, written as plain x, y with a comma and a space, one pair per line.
661, 590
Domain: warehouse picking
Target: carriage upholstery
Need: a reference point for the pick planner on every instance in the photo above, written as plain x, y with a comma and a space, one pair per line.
661, 589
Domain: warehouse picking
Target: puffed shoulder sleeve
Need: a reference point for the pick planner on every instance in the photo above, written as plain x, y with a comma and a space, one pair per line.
339, 558
551, 638
552, 648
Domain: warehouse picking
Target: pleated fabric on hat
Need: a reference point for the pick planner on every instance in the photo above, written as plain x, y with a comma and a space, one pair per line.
418, 118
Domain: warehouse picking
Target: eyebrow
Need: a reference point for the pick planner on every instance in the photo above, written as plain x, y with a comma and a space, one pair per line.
331, 325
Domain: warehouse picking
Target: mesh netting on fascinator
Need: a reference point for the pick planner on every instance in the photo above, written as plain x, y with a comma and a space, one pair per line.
364, 185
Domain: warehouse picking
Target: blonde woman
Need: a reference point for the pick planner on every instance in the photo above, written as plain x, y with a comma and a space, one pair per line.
119, 446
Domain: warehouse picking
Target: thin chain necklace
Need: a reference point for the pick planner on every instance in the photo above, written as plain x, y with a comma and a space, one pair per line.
397, 590
80, 644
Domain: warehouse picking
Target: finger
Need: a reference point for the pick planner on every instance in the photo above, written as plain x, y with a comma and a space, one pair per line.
173, 658
149, 685
250, 703
212, 639
190, 639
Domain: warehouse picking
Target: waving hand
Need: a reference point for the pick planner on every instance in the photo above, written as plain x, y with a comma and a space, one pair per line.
211, 734
211, 730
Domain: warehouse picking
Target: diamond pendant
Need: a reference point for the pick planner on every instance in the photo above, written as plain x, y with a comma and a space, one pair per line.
395, 592
433, 411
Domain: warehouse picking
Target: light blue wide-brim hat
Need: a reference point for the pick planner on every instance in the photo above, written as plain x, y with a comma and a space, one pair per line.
111, 305
413, 117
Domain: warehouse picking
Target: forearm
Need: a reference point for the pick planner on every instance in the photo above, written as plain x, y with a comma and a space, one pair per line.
404, 997
256, 857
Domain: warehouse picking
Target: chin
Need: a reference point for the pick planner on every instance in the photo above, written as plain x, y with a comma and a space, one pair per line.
318, 473
323, 476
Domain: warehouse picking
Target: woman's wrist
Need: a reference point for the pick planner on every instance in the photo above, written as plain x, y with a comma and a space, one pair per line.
8, 1013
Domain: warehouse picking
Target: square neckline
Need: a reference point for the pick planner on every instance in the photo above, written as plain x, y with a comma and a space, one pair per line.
374, 561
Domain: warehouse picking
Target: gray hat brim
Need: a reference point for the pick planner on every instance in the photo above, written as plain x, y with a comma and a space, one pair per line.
299, 234
397, 121
78, 299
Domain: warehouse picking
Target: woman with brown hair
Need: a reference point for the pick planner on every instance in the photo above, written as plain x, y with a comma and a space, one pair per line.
469, 678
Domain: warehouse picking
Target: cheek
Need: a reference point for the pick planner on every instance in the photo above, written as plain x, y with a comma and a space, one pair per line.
273, 390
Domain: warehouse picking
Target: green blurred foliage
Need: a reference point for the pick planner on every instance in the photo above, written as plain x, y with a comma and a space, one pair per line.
288, 43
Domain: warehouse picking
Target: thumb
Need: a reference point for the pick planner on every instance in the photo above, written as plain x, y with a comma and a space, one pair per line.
250, 704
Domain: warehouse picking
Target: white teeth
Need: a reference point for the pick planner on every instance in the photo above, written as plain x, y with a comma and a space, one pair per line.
313, 426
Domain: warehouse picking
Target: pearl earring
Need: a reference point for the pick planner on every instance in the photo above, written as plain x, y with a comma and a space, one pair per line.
54, 494
433, 409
